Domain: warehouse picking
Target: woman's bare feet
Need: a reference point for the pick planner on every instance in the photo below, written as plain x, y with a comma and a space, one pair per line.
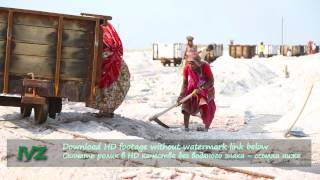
202, 129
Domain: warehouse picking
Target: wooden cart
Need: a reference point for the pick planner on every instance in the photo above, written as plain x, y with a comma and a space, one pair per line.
168, 53
45, 57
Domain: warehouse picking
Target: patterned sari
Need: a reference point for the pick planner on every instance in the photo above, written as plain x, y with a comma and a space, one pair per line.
115, 76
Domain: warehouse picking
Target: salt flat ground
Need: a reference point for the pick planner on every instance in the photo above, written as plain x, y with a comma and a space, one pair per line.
254, 100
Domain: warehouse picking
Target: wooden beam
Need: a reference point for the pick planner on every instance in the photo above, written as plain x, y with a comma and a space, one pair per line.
52, 14
97, 16
8, 54
58, 59
10, 101
94, 62
100, 58
36, 83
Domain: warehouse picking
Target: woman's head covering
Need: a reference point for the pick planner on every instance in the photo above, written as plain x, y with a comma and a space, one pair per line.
190, 38
195, 59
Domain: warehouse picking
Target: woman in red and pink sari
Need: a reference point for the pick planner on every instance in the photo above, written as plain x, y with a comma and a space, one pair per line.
197, 76
114, 81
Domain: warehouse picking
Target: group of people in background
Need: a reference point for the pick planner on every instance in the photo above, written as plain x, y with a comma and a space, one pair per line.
209, 54
311, 49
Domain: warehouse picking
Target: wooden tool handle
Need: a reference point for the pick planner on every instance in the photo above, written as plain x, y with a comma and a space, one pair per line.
173, 106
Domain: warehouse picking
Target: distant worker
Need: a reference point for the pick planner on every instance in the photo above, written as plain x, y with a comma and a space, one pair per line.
191, 49
261, 48
310, 47
314, 48
209, 55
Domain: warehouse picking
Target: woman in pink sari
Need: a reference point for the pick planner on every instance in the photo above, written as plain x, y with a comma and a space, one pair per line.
197, 76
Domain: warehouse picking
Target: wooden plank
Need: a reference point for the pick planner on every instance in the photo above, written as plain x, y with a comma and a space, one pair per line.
35, 83
10, 101
79, 25
40, 66
74, 68
78, 39
96, 15
8, 54
35, 35
33, 49
33, 100
3, 31
58, 59
76, 53
35, 20
100, 58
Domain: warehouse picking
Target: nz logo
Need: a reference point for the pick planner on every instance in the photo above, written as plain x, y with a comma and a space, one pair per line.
37, 152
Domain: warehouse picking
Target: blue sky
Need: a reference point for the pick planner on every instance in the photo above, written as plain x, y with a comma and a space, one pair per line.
142, 22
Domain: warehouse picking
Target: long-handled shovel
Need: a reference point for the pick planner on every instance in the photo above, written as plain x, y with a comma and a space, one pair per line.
290, 132
156, 116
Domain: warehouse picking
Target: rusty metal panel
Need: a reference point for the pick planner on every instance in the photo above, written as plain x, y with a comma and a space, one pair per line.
78, 39
74, 68
78, 25
36, 35
3, 31
40, 66
35, 20
33, 49
75, 53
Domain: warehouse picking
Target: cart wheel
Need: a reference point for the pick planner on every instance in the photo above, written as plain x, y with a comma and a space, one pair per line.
58, 105
55, 106
40, 113
25, 111
52, 112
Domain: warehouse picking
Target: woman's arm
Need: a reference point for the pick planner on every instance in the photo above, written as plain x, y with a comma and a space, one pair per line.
184, 87
209, 75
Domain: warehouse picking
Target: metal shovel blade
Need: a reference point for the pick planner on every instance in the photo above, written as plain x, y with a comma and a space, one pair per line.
298, 134
159, 122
